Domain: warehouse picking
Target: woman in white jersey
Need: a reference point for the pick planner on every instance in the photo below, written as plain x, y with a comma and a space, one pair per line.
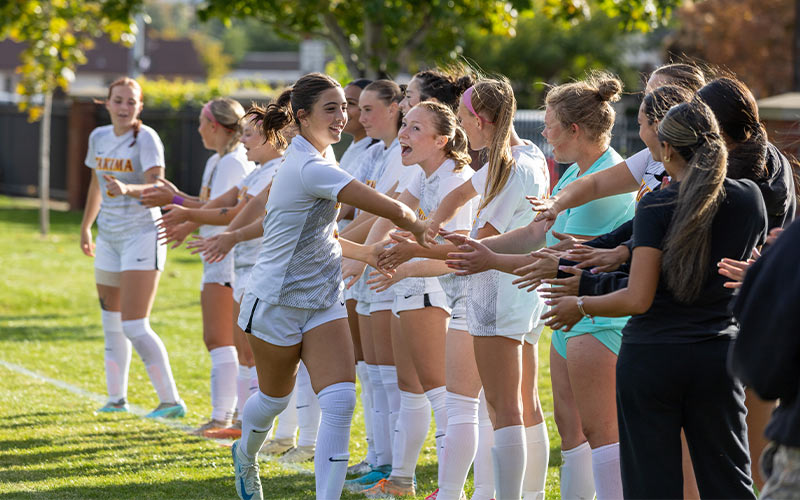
293, 307
380, 115
504, 323
231, 203
125, 157
220, 130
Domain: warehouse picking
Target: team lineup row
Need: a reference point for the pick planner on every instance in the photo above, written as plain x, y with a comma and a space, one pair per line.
432, 282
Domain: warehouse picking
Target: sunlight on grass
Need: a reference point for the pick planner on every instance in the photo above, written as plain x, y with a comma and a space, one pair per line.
52, 445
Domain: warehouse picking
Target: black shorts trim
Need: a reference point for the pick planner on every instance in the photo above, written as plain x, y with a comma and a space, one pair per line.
249, 328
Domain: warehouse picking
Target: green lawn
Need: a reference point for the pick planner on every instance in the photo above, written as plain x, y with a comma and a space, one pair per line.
52, 445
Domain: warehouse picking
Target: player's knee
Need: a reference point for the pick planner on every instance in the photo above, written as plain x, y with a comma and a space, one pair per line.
337, 403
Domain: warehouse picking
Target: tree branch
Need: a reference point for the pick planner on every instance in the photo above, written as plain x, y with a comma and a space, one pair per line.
414, 41
337, 36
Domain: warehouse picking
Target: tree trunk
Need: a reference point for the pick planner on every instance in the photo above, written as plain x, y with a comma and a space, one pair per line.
44, 165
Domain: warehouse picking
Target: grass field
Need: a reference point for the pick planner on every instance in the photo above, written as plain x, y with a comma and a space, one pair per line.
52, 445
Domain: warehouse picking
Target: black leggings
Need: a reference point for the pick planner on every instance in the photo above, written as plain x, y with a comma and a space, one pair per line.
662, 388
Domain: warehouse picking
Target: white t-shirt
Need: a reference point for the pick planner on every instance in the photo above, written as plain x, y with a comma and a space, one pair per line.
245, 253
219, 176
115, 156
430, 191
349, 161
495, 306
299, 264
647, 172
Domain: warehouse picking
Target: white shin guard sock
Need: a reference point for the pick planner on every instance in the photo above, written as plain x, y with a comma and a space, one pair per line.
380, 418
460, 445
259, 413
337, 403
509, 455
242, 389
606, 471
438, 400
409, 436
287, 420
366, 403
577, 479
154, 355
308, 411
538, 446
117, 356
390, 387
483, 470
224, 368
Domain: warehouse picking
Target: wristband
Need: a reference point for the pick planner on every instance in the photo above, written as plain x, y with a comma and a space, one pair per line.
583, 313
177, 200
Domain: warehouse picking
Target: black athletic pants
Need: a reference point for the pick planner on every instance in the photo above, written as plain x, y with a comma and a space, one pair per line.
662, 388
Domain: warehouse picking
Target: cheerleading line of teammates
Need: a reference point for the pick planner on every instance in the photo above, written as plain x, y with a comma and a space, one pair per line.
485, 113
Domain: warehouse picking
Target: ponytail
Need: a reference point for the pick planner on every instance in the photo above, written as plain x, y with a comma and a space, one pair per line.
693, 132
275, 118
494, 103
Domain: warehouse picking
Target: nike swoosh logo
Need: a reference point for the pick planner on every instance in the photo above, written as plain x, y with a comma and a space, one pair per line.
142, 259
245, 496
301, 407
408, 296
331, 459
341, 302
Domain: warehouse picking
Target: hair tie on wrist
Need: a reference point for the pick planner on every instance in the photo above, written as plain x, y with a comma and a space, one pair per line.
177, 200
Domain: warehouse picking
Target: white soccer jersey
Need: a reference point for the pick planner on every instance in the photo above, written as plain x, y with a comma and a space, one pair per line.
113, 155
495, 306
245, 253
219, 175
430, 191
299, 264
647, 172
350, 158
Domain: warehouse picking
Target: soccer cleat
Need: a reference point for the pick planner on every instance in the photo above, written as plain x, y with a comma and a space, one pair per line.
245, 473
360, 468
210, 426
386, 488
112, 407
277, 446
298, 454
369, 479
232, 432
168, 410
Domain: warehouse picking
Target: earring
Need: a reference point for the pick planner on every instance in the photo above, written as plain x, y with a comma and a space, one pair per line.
667, 158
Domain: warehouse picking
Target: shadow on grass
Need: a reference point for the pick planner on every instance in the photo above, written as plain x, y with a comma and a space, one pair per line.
48, 333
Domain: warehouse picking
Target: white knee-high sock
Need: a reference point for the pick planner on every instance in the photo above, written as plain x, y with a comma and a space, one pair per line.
224, 367
287, 420
242, 389
380, 420
605, 468
154, 355
509, 455
389, 378
337, 403
438, 398
460, 445
483, 470
117, 356
538, 445
577, 478
257, 417
366, 404
412, 427
308, 411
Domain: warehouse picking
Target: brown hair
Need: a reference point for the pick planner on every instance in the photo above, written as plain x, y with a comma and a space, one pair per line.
657, 102
446, 123
228, 113
445, 84
127, 82
684, 75
257, 113
388, 92
493, 99
691, 129
587, 103
302, 95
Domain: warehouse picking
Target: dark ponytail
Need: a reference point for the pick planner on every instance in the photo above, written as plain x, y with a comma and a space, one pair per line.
445, 84
691, 129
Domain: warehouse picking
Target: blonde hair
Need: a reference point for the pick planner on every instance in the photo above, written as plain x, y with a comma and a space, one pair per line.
587, 103
446, 124
493, 99
228, 113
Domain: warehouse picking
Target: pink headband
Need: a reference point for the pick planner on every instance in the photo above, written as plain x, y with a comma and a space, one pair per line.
208, 114
466, 98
